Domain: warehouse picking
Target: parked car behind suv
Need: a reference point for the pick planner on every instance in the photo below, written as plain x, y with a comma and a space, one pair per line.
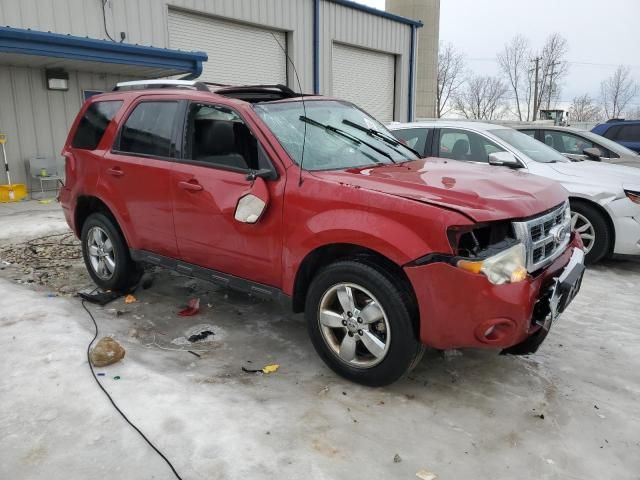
625, 132
581, 145
605, 198
316, 203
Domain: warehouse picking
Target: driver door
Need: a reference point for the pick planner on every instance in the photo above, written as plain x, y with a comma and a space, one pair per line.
207, 184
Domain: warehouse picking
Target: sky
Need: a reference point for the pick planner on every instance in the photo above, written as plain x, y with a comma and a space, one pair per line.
601, 35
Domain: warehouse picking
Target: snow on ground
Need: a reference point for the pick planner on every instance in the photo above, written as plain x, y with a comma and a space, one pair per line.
474, 415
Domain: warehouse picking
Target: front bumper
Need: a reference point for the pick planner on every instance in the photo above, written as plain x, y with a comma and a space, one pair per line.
459, 309
626, 221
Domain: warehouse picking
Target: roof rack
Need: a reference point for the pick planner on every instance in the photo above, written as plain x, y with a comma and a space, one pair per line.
153, 84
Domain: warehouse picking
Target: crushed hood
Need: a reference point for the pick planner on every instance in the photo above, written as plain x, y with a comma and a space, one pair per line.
481, 192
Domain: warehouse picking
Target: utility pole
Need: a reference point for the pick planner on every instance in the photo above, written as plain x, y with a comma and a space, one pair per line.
551, 75
535, 87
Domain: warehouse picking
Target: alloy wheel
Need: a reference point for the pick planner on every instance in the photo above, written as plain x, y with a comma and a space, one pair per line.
583, 226
101, 254
354, 325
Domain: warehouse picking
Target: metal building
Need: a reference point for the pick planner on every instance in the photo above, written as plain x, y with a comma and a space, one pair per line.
54, 54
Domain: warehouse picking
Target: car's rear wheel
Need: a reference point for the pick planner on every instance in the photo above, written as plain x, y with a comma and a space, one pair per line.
106, 254
594, 230
360, 325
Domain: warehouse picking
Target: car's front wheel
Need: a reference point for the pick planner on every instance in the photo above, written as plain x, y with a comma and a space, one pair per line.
106, 254
360, 324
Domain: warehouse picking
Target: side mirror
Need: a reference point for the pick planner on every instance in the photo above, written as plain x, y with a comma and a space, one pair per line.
504, 159
593, 153
253, 202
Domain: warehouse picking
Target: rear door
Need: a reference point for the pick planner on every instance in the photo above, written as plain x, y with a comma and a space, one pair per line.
135, 173
207, 183
629, 136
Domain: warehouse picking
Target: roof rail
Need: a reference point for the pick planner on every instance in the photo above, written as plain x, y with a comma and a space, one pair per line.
152, 84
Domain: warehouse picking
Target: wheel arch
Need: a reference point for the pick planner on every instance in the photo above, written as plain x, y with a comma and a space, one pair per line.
330, 253
88, 204
612, 230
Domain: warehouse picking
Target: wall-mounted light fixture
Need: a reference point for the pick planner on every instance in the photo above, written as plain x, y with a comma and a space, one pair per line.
57, 79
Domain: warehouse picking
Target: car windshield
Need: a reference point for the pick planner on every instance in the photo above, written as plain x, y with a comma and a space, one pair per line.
338, 135
533, 149
610, 144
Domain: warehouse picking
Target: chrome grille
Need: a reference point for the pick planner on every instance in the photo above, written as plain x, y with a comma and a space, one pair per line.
545, 236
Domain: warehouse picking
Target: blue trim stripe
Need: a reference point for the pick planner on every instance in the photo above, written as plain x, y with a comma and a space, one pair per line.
412, 61
379, 13
316, 47
47, 44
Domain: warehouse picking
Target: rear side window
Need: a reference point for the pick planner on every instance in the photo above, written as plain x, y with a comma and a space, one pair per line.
415, 138
629, 133
93, 124
149, 130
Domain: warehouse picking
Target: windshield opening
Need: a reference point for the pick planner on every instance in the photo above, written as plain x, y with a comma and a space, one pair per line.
532, 148
338, 135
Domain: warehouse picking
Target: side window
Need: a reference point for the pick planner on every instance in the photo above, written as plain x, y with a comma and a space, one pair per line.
566, 142
217, 135
463, 145
454, 144
94, 123
149, 129
612, 133
415, 138
629, 133
531, 133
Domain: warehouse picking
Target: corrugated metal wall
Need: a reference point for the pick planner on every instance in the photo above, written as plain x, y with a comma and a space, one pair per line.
346, 25
41, 117
36, 120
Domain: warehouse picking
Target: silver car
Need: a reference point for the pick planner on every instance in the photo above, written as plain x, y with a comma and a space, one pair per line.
605, 198
582, 145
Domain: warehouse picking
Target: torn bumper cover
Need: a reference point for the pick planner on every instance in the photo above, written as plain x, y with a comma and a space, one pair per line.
461, 309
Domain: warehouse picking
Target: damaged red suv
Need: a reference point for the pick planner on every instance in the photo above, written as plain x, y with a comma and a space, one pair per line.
315, 203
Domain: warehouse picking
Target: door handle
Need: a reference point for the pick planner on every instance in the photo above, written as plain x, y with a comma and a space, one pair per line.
191, 186
115, 171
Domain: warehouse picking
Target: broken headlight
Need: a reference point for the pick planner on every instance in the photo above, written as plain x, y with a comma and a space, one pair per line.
491, 250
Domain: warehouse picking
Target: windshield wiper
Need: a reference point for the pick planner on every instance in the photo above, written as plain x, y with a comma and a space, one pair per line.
344, 134
386, 138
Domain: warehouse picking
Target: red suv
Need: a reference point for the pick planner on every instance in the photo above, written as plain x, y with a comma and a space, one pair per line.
311, 200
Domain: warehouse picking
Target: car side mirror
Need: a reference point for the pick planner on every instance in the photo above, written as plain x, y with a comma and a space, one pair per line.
504, 159
253, 202
593, 153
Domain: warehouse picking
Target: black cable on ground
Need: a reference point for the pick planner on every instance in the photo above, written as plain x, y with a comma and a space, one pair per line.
114, 403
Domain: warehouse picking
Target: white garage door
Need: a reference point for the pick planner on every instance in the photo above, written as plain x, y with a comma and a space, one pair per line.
238, 54
365, 78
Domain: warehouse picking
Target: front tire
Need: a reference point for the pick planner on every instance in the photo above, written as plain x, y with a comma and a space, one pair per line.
593, 227
360, 325
106, 254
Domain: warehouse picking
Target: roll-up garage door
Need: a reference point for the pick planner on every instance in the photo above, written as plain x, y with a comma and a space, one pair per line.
366, 78
239, 54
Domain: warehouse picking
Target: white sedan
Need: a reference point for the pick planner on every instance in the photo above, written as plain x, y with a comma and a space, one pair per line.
605, 198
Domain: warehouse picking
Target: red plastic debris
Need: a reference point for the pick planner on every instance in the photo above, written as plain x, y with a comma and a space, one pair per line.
193, 307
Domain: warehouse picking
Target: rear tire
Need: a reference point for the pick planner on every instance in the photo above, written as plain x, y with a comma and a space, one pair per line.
106, 254
593, 225
360, 325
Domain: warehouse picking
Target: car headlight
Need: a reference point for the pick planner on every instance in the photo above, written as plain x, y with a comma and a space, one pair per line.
508, 266
633, 196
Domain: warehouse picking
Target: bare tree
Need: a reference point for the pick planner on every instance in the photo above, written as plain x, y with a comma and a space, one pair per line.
514, 61
553, 68
451, 67
617, 91
483, 98
584, 109
633, 114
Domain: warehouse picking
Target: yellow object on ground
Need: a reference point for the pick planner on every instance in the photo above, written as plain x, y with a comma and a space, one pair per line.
270, 368
129, 299
12, 192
